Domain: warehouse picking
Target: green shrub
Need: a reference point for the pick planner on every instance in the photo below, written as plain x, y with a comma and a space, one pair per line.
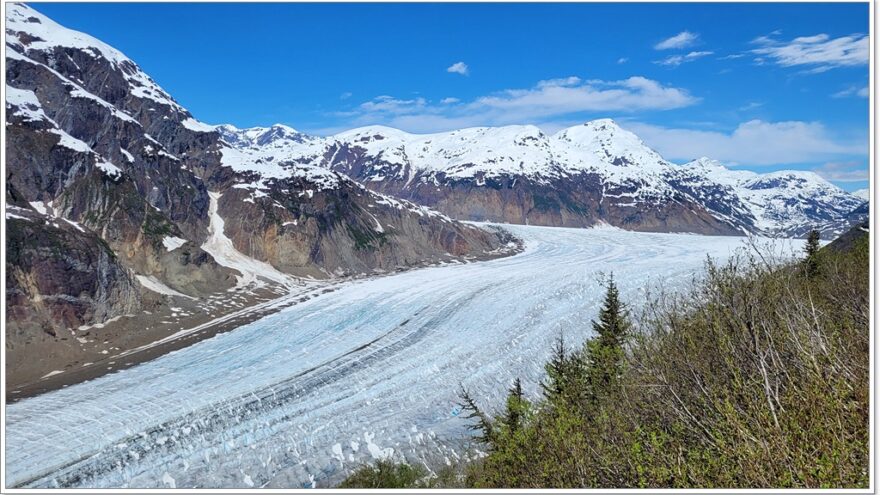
386, 474
757, 377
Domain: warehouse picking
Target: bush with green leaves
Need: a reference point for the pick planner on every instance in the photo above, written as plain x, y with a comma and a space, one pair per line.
386, 474
755, 377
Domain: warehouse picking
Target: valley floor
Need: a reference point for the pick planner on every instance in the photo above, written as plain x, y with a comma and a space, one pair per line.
372, 369
128, 340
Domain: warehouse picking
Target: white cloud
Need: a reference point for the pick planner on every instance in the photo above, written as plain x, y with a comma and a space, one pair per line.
345, 96
819, 52
755, 142
458, 68
751, 106
849, 171
676, 60
449, 101
861, 92
681, 40
547, 100
622, 60
561, 96
389, 104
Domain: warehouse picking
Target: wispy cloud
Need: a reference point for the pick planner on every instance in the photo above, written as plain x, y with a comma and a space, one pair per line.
751, 106
458, 68
547, 100
819, 52
449, 101
860, 91
683, 39
848, 171
345, 96
622, 60
676, 60
755, 142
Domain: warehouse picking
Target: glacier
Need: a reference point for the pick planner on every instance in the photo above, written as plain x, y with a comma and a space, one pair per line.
368, 370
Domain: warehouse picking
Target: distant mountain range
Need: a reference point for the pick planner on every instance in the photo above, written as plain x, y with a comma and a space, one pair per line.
588, 174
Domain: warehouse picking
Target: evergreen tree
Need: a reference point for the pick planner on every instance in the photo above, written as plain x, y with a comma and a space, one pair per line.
811, 262
516, 407
565, 376
554, 386
604, 353
481, 422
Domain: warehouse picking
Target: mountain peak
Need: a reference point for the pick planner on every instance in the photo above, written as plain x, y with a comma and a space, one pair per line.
381, 131
599, 130
862, 194
284, 128
602, 123
704, 162
612, 144
29, 31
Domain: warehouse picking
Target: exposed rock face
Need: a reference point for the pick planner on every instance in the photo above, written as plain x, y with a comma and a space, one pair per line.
857, 233
575, 201
583, 175
95, 141
59, 275
341, 230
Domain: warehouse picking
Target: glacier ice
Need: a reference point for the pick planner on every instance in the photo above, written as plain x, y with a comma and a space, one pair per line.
369, 371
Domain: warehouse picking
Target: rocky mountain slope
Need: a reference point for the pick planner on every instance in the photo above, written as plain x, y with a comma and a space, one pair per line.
116, 194
580, 176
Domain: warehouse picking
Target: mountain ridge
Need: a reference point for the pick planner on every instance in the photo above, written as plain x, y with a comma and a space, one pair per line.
781, 203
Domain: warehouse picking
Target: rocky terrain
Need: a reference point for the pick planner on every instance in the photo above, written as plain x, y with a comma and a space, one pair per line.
118, 197
592, 173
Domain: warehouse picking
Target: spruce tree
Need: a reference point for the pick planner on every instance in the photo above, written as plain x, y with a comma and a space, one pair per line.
811, 262
516, 407
554, 386
604, 352
481, 422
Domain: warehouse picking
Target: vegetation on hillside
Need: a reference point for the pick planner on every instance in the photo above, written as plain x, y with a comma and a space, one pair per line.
757, 376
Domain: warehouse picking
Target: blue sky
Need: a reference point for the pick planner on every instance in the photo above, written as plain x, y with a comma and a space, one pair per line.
757, 86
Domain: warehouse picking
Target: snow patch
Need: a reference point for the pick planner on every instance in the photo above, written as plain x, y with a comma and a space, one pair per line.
25, 104
108, 168
224, 252
152, 283
71, 142
194, 125
171, 243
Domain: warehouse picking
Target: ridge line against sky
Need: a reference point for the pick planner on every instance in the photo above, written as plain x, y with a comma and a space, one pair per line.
759, 86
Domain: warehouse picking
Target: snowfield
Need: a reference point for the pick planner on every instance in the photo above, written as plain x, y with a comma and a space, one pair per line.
300, 397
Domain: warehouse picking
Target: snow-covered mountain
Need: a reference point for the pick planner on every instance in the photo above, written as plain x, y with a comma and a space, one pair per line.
108, 177
863, 194
787, 202
582, 175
